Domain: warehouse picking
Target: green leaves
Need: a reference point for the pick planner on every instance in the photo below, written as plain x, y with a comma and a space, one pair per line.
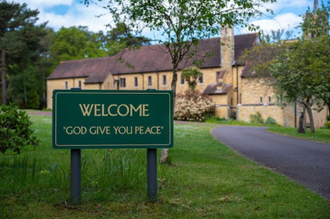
191, 75
15, 132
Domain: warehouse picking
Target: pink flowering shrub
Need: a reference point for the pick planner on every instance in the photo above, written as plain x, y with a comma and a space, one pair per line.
192, 106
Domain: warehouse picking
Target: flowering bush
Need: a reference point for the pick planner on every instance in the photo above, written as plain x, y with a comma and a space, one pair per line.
192, 106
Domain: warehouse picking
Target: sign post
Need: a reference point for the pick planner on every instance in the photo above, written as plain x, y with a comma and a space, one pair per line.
75, 175
152, 174
89, 119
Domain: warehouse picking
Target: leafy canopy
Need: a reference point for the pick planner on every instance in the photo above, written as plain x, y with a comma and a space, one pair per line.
182, 23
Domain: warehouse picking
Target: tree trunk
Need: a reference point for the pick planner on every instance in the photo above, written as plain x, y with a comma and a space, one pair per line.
24, 87
174, 81
311, 120
3, 66
165, 151
301, 128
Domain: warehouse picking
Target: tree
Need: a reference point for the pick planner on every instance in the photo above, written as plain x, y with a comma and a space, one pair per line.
183, 23
76, 43
46, 62
19, 36
121, 37
302, 73
297, 69
191, 75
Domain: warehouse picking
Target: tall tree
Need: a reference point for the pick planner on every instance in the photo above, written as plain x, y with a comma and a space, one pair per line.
121, 37
298, 69
183, 23
76, 43
46, 61
18, 35
302, 74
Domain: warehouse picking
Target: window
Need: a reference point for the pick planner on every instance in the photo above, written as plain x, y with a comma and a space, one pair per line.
122, 82
181, 80
200, 79
269, 99
66, 85
136, 82
164, 80
260, 99
149, 81
108, 85
79, 84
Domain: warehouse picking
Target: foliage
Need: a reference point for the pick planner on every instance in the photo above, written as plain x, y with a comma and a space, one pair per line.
123, 34
19, 38
191, 75
302, 73
261, 57
270, 121
22, 89
327, 124
298, 70
256, 118
183, 23
76, 43
15, 131
34, 102
192, 106
316, 23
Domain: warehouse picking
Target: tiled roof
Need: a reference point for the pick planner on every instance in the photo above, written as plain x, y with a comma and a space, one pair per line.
211, 89
246, 70
147, 59
97, 78
221, 74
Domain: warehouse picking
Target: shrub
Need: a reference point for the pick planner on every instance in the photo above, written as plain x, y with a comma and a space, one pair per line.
327, 125
192, 106
15, 131
214, 119
328, 117
270, 121
33, 101
256, 118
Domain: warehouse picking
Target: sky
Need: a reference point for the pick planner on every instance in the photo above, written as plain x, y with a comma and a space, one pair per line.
67, 13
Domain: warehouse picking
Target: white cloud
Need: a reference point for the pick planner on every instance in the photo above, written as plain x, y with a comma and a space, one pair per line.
283, 21
288, 21
41, 4
77, 14
289, 4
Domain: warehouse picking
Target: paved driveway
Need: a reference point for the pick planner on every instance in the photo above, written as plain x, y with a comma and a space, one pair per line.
305, 162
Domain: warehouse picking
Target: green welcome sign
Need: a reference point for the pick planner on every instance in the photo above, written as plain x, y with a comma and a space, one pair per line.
112, 119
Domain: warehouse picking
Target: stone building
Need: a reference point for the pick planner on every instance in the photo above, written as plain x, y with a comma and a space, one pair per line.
225, 79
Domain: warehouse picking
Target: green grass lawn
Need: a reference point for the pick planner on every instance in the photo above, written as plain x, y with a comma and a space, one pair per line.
320, 135
204, 180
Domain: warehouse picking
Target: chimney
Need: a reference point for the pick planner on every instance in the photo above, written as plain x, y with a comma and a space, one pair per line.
227, 47
316, 5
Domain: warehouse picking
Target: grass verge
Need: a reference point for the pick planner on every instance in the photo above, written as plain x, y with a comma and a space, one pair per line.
205, 179
320, 135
